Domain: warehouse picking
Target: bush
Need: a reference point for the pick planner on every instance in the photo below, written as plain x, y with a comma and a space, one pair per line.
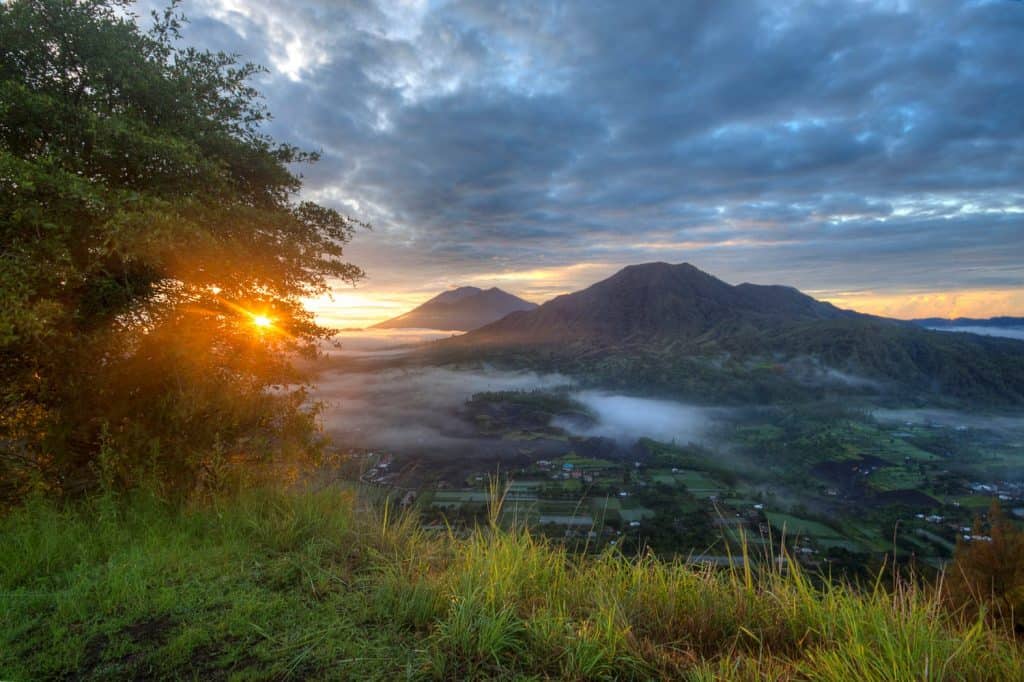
986, 578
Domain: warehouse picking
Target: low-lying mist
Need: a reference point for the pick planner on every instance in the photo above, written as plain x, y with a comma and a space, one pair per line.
1002, 423
1004, 332
627, 419
381, 342
418, 410
414, 409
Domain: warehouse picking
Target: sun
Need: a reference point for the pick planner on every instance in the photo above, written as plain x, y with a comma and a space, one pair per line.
262, 321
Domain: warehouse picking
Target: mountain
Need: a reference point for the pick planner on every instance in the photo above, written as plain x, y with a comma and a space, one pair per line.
994, 322
460, 309
677, 328
657, 301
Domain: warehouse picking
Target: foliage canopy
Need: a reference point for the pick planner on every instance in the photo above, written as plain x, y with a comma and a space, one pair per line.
987, 575
145, 220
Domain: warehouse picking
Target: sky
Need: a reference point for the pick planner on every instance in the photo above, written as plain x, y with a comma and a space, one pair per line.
870, 153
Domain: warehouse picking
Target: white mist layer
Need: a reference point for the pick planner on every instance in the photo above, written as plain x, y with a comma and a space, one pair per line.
1004, 332
381, 342
400, 409
627, 419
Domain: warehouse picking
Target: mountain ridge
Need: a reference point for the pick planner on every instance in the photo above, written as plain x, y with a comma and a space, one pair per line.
460, 309
998, 322
656, 300
661, 323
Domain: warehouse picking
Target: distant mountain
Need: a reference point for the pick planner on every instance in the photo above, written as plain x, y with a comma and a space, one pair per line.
676, 327
461, 309
996, 322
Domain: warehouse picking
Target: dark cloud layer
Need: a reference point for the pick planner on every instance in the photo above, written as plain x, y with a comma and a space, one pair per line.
831, 145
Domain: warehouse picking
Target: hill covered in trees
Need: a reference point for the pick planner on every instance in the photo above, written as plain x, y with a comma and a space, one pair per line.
665, 326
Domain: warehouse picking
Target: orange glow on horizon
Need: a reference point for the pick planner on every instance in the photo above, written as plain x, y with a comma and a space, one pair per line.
976, 303
360, 308
352, 308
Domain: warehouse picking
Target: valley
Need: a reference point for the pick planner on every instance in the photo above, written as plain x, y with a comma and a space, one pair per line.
665, 410
839, 483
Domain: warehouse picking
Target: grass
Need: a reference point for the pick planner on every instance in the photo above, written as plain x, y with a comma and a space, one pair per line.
274, 585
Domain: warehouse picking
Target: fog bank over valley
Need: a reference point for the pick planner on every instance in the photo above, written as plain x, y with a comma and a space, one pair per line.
414, 409
356, 343
627, 419
421, 410
1005, 332
1004, 423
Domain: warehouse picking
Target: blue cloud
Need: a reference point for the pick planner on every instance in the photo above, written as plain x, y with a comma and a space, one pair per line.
797, 138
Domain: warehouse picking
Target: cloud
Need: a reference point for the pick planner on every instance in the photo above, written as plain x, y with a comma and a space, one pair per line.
829, 145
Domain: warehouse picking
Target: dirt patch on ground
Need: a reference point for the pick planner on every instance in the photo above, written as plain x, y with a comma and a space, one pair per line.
214, 661
910, 498
149, 634
94, 649
155, 630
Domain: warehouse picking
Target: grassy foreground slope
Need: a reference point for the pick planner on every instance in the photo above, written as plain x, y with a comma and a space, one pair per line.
271, 585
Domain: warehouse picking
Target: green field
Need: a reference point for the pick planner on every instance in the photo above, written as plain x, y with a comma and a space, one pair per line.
454, 499
977, 502
635, 513
888, 446
847, 544
895, 478
794, 525
584, 463
699, 484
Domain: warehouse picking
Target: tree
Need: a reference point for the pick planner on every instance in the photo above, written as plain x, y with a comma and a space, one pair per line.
988, 572
153, 255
